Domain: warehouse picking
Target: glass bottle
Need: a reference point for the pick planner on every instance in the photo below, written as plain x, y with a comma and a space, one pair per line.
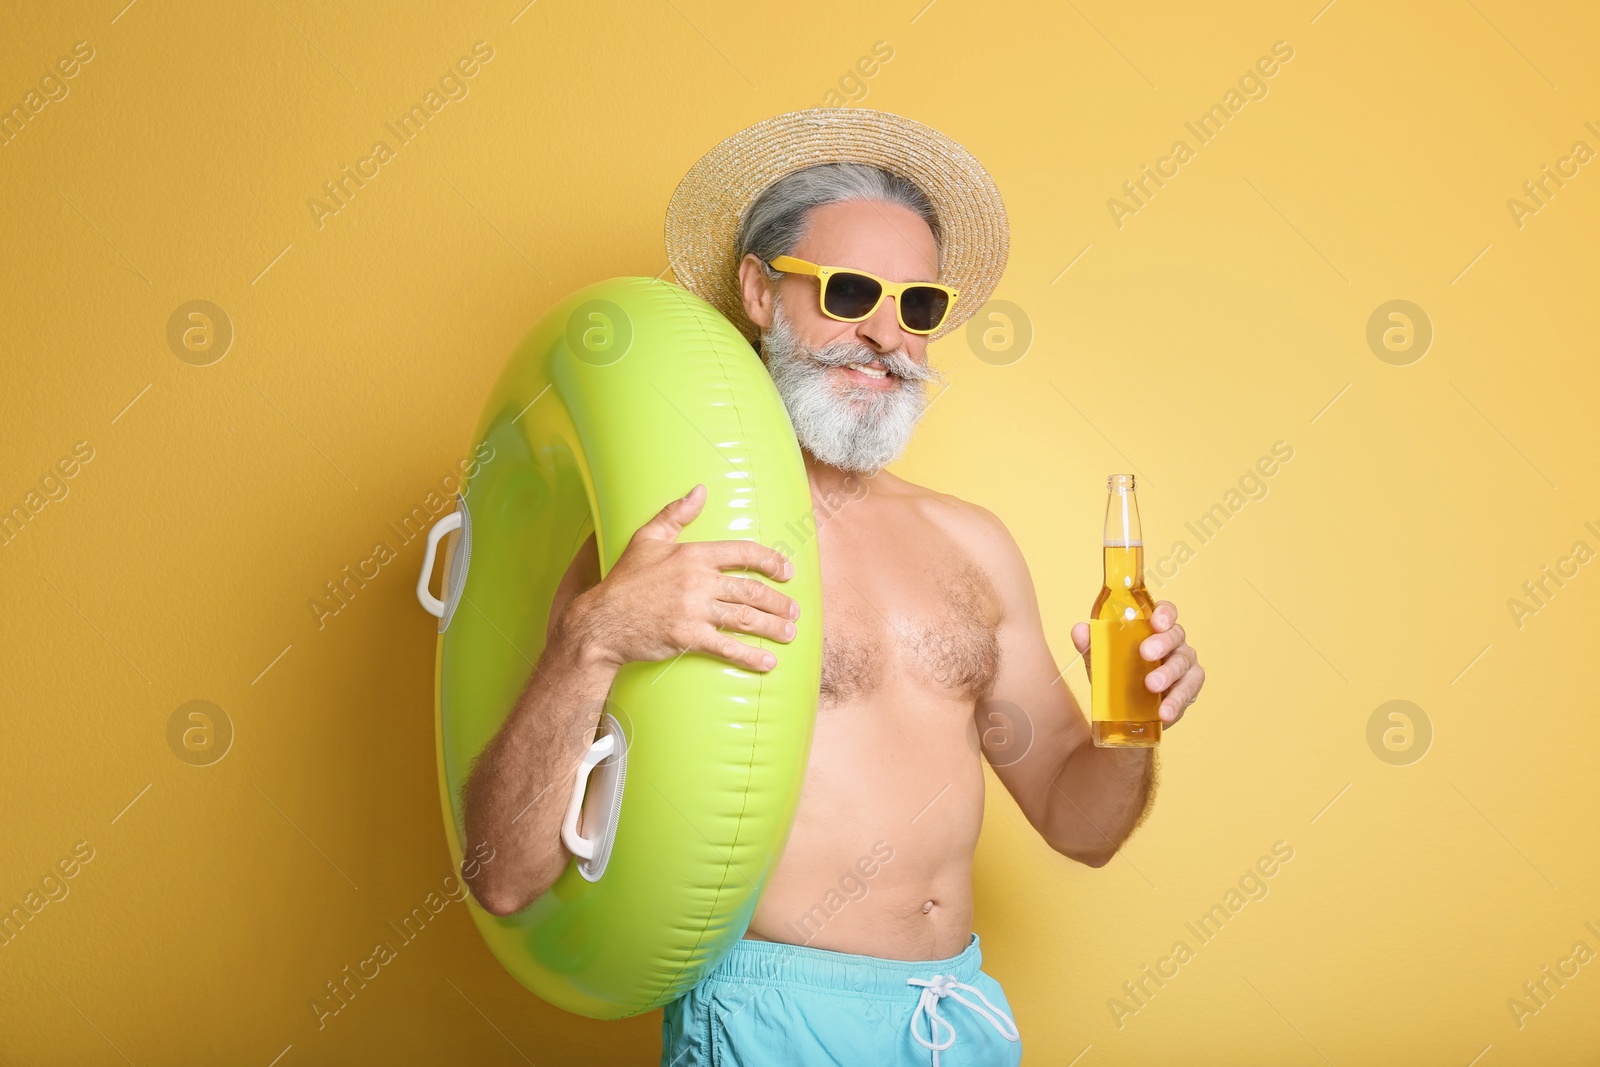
1125, 713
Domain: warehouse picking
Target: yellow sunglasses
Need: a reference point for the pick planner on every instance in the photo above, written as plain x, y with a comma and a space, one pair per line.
851, 295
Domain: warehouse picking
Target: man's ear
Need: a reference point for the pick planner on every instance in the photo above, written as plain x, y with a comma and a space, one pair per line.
756, 290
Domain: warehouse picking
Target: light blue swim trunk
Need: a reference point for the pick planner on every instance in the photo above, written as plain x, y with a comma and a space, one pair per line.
769, 1003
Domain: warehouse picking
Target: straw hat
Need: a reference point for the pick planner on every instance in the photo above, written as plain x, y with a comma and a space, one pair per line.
705, 212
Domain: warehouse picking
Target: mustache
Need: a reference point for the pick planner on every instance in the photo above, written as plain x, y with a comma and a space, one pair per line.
845, 351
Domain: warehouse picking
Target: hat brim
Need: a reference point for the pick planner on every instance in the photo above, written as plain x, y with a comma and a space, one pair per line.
704, 214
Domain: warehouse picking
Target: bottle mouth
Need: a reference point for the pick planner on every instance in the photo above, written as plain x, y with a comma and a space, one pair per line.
1119, 481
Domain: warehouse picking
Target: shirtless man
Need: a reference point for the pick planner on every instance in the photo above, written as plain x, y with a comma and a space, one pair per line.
930, 621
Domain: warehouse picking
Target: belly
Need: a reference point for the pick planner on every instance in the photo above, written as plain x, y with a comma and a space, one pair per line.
879, 861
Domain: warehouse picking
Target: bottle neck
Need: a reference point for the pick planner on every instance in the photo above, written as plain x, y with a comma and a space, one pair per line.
1124, 566
1124, 543
1122, 518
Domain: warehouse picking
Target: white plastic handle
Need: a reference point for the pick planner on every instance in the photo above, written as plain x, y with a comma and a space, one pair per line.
579, 846
430, 603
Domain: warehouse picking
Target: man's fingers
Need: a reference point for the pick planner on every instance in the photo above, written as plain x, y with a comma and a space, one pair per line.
735, 651
1165, 614
758, 594
1175, 666
751, 606
671, 519
749, 620
1157, 646
751, 555
1182, 695
1080, 641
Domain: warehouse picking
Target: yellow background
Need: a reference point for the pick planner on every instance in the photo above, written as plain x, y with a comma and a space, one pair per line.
1229, 313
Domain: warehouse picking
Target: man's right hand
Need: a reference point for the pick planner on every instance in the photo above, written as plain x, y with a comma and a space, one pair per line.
664, 598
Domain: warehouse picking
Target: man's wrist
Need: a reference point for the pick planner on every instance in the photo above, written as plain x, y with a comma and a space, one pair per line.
578, 648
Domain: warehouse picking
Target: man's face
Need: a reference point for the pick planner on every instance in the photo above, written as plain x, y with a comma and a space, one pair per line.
854, 390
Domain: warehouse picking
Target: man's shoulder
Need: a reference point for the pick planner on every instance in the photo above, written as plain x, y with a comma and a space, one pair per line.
979, 536
978, 531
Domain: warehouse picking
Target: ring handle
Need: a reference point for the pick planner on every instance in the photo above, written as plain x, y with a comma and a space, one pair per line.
581, 847
430, 603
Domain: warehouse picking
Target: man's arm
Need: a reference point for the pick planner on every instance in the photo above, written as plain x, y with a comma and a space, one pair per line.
660, 600
516, 792
1083, 800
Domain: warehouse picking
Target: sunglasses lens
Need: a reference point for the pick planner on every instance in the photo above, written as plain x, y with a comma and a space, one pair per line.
923, 307
850, 296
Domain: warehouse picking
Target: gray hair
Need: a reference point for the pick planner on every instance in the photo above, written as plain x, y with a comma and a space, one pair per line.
777, 220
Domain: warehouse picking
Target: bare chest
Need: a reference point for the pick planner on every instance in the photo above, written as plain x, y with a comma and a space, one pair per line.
916, 621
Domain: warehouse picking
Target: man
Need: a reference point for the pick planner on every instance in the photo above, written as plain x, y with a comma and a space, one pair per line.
930, 621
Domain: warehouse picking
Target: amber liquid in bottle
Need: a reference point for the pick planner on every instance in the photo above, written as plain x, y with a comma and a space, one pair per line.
1125, 713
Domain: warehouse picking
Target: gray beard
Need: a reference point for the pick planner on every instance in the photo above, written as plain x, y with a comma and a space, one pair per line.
853, 428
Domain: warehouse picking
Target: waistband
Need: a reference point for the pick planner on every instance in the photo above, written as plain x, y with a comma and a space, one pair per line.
778, 963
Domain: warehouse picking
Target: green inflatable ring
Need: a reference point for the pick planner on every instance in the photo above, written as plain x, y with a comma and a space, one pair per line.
626, 394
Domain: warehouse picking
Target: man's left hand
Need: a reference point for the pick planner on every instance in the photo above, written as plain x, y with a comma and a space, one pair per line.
1179, 677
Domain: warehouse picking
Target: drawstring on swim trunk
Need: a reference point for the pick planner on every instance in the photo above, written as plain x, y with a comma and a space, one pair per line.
945, 985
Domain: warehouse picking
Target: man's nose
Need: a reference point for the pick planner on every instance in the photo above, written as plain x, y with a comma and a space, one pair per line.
882, 329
